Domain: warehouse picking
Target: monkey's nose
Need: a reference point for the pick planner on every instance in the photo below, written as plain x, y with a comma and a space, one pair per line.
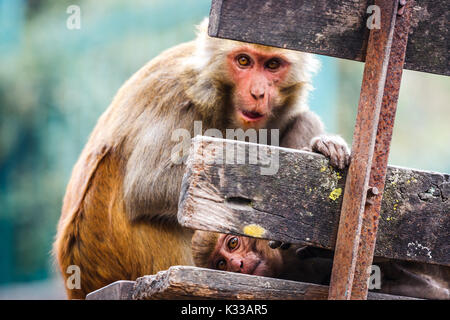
257, 96
237, 265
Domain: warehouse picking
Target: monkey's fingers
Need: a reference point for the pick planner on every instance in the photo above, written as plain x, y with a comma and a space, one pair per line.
334, 154
346, 158
340, 156
304, 252
343, 156
319, 145
328, 148
274, 244
334, 148
278, 244
285, 246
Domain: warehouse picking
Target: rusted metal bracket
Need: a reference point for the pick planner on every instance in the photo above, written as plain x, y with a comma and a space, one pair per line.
370, 149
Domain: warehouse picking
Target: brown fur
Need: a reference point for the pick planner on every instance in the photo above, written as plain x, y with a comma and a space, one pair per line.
118, 219
202, 246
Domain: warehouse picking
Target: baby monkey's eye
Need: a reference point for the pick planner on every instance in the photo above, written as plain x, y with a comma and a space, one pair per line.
273, 64
243, 60
233, 242
221, 264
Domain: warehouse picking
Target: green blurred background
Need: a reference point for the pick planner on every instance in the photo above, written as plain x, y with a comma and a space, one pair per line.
55, 83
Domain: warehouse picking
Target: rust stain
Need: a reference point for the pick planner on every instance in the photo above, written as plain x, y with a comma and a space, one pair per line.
381, 152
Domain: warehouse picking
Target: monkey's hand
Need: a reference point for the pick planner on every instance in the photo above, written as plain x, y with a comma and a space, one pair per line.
304, 252
274, 244
333, 147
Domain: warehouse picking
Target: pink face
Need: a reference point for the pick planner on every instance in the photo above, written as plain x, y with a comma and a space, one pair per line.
257, 76
243, 255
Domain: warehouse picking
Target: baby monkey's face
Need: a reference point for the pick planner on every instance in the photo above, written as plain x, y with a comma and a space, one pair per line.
245, 255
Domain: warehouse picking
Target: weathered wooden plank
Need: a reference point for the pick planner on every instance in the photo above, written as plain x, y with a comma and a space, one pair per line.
333, 28
119, 290
301, 202
191, 282
185, 282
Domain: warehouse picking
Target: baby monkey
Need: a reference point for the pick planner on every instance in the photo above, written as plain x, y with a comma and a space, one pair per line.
312, 265
233, 253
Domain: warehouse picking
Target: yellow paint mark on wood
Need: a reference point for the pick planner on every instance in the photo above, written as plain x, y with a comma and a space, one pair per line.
254, 230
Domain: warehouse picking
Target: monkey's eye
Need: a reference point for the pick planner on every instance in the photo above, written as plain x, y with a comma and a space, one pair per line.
221, 264
243, 60
232, 243
273, 64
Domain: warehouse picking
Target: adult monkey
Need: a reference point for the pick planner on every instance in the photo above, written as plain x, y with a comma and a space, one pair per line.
119, 213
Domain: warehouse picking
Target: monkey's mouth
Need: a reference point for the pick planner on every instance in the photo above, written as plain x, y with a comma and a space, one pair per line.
255, 271
252, 116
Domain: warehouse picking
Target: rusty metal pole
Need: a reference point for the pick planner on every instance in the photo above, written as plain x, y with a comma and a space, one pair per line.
356, 187
381, 153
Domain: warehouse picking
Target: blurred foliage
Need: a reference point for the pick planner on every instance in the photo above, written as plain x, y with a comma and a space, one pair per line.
55, 83
421, 136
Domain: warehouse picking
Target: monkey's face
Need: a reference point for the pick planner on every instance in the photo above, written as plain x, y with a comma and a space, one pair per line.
257, 76
245, 255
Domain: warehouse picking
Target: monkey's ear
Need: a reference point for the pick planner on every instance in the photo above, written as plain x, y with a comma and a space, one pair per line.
202, 246
209, 50
203, 50
278, 244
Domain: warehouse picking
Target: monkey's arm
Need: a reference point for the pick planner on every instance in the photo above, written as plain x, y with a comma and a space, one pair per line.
153, 174
414, 279
307, 132
312, 268
301, 130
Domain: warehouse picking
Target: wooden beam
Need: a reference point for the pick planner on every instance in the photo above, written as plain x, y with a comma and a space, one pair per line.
119, 290
332, 28
184, 282
300, 202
